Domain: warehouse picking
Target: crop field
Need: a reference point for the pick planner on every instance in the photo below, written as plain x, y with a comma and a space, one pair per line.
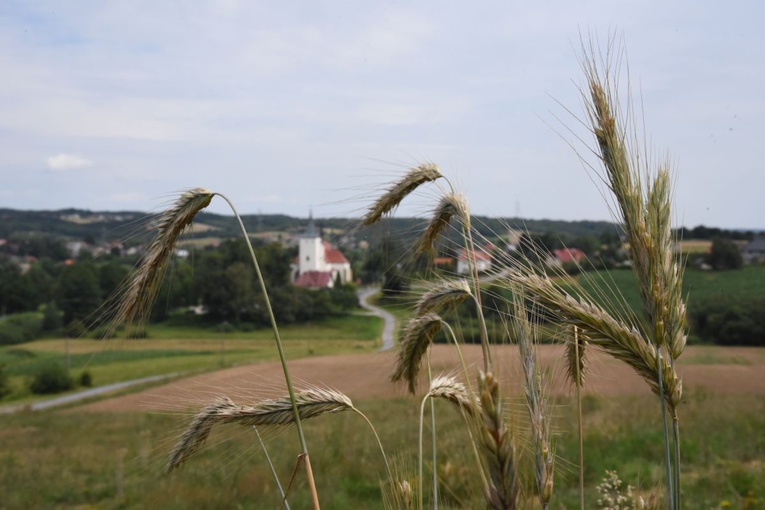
181, 350
118, 462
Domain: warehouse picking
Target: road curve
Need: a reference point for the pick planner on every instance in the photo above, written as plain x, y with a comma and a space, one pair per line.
389, 321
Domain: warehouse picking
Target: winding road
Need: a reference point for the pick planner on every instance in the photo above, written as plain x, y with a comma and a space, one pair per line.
389, 321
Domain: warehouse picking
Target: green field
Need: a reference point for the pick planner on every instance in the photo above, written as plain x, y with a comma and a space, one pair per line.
117, 463
170, 350
699, 286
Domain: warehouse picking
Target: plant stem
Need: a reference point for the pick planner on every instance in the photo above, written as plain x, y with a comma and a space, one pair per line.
282, 357
273, 470
468, 235
667, 461
676, 433
433, 439
579, 412
379, 443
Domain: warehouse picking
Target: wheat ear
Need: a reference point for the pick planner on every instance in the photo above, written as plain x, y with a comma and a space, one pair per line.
272, 412
418, 335
454, 392
498, 448
136, 303
544, 458
441, 295
451, 205
576, 357
427, 172
622, 341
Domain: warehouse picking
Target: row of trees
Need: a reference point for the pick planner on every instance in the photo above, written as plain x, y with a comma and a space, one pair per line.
219, 281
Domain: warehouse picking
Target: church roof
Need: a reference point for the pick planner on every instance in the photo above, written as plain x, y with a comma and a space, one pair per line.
314, 279
332, 255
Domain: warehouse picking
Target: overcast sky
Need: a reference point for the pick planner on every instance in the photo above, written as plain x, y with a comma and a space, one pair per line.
287, 105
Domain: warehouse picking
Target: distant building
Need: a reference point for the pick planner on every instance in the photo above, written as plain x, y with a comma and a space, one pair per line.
565, 256
319, 264
754, 251
483, 259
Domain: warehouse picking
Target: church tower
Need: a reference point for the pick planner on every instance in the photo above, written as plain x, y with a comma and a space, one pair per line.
311, 250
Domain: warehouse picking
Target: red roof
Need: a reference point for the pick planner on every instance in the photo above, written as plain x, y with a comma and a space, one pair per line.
314, 279
482, 253
332, 255
569, 254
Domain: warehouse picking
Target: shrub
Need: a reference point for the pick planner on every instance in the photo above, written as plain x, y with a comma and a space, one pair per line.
730, 321
85, 380
21, 327
75, 329
50, 378
5, 386
52, 317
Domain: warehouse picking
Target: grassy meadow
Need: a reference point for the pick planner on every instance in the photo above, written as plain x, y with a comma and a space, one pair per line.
171, 350
47, 461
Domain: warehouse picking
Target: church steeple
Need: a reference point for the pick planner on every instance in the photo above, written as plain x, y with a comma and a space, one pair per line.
310, 230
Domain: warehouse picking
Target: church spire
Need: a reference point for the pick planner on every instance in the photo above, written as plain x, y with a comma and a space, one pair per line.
310, 230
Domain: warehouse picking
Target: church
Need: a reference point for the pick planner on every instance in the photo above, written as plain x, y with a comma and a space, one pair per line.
319, 265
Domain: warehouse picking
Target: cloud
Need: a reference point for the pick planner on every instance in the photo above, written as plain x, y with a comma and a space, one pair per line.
65, 161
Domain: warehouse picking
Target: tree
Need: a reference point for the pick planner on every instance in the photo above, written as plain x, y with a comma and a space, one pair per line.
79, 294
11, 295
724, 255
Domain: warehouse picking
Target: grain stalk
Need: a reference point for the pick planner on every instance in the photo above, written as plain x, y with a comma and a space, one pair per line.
647, 226
521, 331
141, 290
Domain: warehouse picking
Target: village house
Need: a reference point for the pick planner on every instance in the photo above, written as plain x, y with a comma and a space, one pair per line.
483, 259
319, 264
565, 256
754, 251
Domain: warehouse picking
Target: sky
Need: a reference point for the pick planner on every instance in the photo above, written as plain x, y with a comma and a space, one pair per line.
287, 107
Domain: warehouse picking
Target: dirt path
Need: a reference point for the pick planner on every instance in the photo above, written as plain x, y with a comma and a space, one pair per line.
711, 369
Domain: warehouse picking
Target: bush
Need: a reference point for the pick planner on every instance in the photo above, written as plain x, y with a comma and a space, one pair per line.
75, 329
20, 327
85, 380
52, 318
50, 378
730, 321
5, 385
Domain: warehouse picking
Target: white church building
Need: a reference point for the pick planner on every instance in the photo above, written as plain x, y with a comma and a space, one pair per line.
319, 264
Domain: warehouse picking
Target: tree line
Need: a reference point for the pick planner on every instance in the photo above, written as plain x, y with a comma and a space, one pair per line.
75, 297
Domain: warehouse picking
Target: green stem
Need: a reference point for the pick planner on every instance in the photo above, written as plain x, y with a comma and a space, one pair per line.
676, 438
273, 470
487, 362
667, 461
274, 327
474, 398
579, 419
379, 443
433, 440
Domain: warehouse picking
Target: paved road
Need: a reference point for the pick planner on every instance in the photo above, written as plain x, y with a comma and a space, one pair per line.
389, 321
84, 394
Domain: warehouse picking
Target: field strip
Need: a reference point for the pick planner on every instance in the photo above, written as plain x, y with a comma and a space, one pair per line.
367, 375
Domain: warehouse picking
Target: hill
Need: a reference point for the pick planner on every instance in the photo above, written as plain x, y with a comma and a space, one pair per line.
122, 225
